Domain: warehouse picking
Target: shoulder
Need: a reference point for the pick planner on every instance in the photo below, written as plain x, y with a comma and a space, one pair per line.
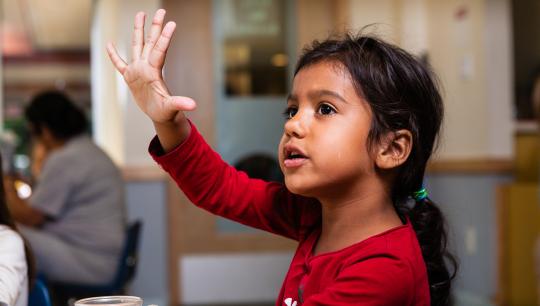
382, 266
60, 157
13, 268
11, 246
399, 243
392, 259
81, 145
385, 278
82, 148
10, 239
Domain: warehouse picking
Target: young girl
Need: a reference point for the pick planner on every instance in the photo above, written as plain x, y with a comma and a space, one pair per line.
16, 263
361, 122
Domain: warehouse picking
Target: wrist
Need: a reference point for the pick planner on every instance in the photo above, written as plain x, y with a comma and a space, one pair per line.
172, 133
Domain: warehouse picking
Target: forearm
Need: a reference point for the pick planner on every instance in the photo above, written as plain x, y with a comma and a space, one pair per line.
22, 212
30, 217
213, 185
172, 134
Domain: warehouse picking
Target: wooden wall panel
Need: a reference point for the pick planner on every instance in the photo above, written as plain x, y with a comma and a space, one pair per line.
519, 216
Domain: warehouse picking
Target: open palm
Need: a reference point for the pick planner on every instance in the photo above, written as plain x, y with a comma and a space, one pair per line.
143, 74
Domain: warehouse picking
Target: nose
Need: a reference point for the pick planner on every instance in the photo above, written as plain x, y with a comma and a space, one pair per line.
296, 126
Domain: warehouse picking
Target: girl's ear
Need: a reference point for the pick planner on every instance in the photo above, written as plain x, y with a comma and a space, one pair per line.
394, 149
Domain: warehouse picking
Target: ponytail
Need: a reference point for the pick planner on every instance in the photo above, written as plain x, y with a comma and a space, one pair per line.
430, 227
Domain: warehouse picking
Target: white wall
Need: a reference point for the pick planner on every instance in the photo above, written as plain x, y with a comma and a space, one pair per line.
500, 71
119, 127
232, 279
383, 14
472, 56
413, 26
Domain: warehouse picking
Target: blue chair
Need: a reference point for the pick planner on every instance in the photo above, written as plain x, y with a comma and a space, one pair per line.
124, 274
39, 295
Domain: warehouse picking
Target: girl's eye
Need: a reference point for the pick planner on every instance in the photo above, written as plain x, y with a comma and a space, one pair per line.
325, 109
290, 112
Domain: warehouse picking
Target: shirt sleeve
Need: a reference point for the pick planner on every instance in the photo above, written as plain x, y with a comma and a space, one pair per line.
379, 281
212, 184
52, 190
13, 269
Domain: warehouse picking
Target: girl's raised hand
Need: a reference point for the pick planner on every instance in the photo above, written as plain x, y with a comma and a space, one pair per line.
143, 74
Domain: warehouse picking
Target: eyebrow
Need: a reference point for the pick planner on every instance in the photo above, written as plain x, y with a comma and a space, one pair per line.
317, 94
292, 97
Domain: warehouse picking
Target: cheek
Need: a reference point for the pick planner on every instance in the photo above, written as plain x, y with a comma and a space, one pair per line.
280, 151
345, 149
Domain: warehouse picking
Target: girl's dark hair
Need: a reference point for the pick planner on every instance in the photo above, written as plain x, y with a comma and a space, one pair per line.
403, 94
5, 219
55, 111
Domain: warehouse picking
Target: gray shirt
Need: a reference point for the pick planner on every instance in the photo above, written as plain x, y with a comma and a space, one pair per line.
82, 191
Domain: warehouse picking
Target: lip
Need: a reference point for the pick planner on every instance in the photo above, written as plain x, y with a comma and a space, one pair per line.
293, 162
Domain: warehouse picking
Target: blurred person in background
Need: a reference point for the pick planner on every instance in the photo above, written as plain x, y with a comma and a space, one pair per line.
16, 263
534, 93
75, 218
534, 98
37, 157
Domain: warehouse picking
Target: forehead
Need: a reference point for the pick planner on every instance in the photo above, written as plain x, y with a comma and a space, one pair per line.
329, 75
326, 76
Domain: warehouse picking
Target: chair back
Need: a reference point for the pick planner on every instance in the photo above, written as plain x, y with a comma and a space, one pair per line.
128, 261
39, 295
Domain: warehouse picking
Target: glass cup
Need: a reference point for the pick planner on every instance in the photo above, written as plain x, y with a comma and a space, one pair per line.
120, 300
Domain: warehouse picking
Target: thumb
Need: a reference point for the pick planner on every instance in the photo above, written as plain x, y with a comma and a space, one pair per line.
182, 103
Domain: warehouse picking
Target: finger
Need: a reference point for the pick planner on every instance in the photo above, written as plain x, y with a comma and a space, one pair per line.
138, 36
117, 61
158, 53
182, 103
155, 30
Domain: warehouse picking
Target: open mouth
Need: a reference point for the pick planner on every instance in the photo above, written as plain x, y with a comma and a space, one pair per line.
294, 157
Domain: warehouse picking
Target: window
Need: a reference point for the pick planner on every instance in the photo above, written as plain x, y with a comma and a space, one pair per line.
254, 47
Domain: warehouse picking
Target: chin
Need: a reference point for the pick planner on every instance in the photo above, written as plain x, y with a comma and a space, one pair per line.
298, 187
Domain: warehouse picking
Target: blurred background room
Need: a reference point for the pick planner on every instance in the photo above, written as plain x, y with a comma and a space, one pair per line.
236, 58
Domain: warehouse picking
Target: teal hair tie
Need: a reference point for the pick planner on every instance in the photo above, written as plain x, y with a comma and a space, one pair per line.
420, 195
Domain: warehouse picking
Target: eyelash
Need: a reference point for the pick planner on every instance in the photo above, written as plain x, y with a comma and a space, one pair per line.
287, 113
332, 109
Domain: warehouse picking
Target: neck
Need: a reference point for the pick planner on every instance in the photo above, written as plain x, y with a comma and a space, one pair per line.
353, 216
54, 144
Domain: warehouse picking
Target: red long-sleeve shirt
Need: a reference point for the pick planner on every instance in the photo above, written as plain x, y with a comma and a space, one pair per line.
385, 269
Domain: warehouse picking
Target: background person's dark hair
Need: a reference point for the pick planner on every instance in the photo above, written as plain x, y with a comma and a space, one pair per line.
532, 84
5, 219
261, 166
402, 94
55, 111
